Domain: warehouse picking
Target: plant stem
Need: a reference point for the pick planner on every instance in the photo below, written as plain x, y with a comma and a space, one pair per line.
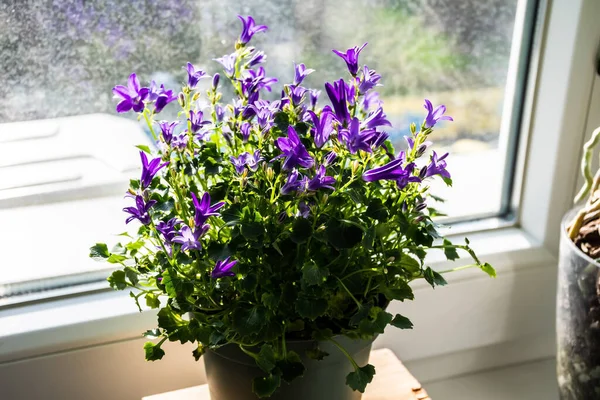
351, 295
345, 352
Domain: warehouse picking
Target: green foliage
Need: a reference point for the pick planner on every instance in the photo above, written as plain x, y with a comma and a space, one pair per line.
401, 322
153, 351
360, 378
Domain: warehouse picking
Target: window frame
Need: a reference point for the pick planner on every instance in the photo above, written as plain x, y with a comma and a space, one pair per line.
511, 319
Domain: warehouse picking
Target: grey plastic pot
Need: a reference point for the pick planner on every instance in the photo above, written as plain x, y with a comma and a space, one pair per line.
577, 321
230, 372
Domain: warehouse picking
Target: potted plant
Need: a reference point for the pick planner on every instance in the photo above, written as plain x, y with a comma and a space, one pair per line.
578, 299
275, 233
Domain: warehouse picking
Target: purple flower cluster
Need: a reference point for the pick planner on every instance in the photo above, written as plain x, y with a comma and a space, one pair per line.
303, 140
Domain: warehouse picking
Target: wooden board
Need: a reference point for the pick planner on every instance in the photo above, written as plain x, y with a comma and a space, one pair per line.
392, 382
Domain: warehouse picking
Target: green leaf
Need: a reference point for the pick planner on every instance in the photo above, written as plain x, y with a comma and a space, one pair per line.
316, 354
376, 322
450, 250
310, 308
377, 210
266, 358
295, 326
252, 230
343, 236
291, 367
117, 280
132, 275
313, 275
359, 379
270, 300
99, 252
199, 351
434, 278
400, 291
176, 286
401, 322
488, 269
135, 245
249, 321
169, 320
409, 263
265, 386
144, 148
152, 300
361, 314
369, 237
301, 230
116, 258
153, 351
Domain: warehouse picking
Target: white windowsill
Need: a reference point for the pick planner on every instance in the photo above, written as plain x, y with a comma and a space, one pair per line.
88, 320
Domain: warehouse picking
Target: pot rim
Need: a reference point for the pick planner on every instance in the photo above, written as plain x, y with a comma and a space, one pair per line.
565, 238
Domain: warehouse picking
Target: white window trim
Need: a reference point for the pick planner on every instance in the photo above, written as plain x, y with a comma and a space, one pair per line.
473, 323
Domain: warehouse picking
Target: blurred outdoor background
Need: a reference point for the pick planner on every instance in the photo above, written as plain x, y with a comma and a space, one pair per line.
62, 57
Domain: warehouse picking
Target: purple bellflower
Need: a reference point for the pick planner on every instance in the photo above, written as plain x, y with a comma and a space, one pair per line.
292, 184
371, 100
368, 80
132, 96
337, 95
254, 80
245, 130
297, 94
167, 129
140, 211
314, 97
196, 120
301, 72
375, 119
167, 229
303, 210
180, 142
257, 57
437, 166
329, 158
228, 63
249, 29
204, 209
190, 239
357, 139
253, 160
393, 171
351, 58
264, 111
323, 126
239, 162
219, 113
149, 169
433, 116
160, 96
194, 75
223, 268
293, 150
321, 180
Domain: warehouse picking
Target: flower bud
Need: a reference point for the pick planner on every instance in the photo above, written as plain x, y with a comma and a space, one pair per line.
423, 173
329, 158
270, 173
244, 181
420, 218
404, 207
181, 99
215, 81
324, 198
196, 96
282, 217
421, 206
355, 166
